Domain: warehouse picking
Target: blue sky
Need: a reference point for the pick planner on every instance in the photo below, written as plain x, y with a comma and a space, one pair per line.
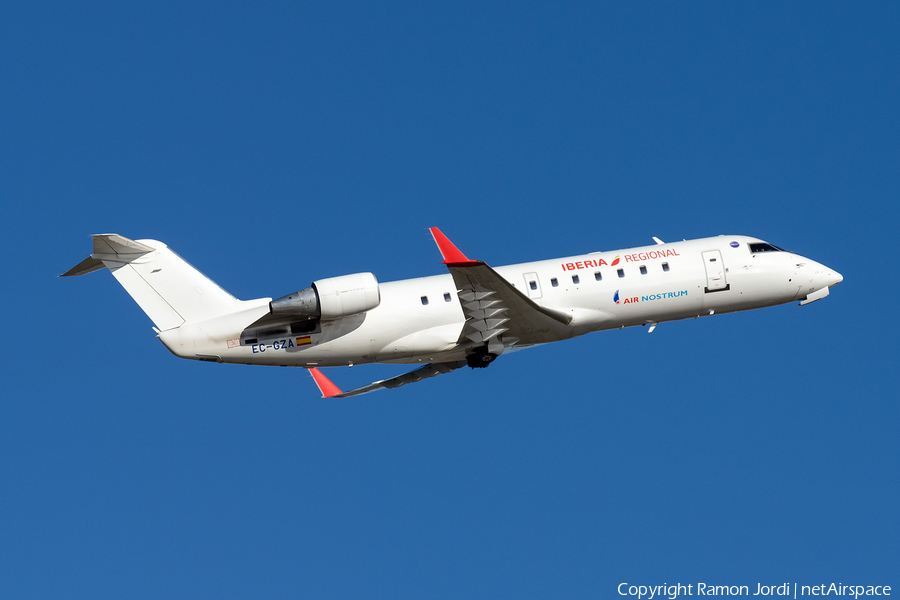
272, 145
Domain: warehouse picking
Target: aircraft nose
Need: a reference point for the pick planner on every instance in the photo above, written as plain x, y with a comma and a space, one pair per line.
820, 276
834, 277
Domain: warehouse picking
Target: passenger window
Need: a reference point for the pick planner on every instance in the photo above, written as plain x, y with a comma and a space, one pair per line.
643, 270
554, 282
446, 297
598, 276
424, 300
532, 284
666, 267
575, 279
621, 272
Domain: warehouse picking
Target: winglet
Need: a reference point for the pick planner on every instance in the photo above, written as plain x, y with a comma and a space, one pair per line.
451, 254
327, 388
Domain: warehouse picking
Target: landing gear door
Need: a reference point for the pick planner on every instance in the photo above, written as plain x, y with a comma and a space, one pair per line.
532, 285
716, 280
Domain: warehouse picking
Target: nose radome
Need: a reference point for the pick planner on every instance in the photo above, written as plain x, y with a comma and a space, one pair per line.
834, 278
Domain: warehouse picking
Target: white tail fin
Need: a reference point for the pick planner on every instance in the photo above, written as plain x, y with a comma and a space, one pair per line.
165, 286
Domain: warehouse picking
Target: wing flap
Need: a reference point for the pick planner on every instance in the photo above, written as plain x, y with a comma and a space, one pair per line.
494, 307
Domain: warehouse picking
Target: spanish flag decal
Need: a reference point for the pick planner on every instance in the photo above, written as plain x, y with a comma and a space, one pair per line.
304, 341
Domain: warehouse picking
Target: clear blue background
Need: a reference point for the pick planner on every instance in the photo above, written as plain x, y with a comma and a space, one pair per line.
274, 144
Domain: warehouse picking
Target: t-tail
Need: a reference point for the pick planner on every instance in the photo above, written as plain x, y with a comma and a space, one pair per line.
165, 286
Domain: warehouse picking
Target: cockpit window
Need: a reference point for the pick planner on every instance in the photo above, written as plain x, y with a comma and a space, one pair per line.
764, 247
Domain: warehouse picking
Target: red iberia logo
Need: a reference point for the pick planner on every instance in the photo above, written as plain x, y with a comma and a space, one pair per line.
587, 263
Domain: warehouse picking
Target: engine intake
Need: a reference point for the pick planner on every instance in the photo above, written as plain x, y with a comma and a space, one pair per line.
331, 298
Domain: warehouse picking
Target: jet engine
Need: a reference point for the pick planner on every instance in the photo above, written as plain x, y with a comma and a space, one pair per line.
330, 298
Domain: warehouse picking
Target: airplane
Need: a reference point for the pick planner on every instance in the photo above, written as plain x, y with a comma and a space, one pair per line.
468, 316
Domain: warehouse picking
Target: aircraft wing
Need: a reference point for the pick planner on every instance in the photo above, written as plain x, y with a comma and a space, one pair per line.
329, 390
497, 315
494, 307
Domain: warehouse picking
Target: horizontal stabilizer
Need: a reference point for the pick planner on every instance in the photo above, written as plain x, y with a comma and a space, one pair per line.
111, 243
112, 247
88, 265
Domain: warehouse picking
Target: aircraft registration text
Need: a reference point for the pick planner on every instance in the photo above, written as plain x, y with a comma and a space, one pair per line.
282, 344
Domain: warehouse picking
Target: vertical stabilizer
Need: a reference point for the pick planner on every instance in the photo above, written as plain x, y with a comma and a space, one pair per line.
165, 286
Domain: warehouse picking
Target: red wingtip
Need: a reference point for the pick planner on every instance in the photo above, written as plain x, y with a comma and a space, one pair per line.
451, 253
327, 388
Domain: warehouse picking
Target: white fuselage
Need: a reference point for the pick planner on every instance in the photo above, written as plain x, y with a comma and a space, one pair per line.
420, 320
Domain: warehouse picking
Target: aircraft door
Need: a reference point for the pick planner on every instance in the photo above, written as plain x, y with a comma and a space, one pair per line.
716, 280
533, 285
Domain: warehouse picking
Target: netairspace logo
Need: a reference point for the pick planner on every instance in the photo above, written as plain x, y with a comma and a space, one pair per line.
649, 592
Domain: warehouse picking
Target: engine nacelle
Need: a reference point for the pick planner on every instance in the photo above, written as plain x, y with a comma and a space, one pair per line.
347, 295
331, 298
